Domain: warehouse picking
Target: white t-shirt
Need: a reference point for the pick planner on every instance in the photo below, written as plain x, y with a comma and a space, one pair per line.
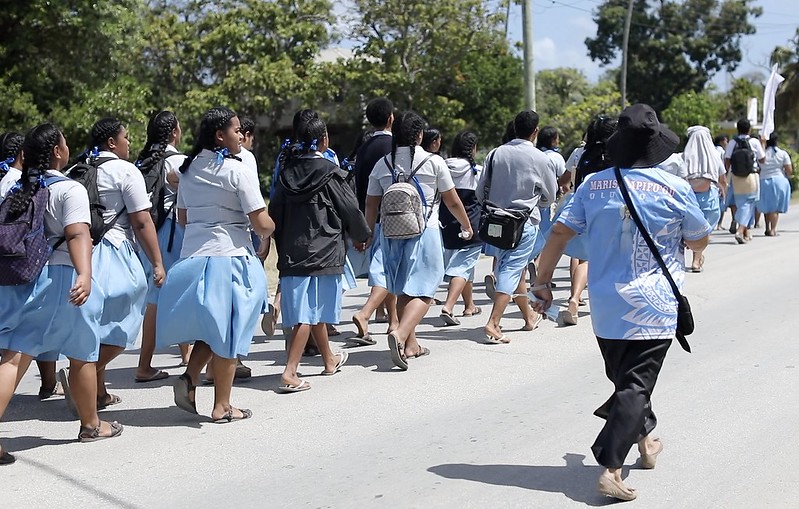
754, 144
171, 167
121, 185
574, 158
8, 181
68, 204
776, 160
558, 163
432, 176
217, 198
248, 158
674, 165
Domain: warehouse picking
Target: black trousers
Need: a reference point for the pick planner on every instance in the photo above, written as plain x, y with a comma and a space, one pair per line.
633, 367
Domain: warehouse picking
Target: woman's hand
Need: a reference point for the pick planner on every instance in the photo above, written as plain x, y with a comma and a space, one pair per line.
159, 274
80, 291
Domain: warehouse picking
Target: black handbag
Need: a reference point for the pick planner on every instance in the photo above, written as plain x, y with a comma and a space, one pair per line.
685, 319
501, 228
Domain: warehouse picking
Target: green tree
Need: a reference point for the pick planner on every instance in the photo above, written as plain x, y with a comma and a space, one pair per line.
691, 108
448, 60
601, 99
733, 103
674, 47
556, 89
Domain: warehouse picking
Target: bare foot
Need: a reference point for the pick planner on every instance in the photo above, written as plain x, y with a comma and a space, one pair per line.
361, 323
611, 485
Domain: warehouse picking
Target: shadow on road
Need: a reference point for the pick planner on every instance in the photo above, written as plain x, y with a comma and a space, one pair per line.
26, 443
574, 479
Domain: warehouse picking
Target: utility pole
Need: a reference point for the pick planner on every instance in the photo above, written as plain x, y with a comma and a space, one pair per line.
624, 44
529, 72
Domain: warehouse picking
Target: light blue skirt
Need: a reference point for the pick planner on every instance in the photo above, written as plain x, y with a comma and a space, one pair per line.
214, 299
348, 281
310, 299
377, 271
729, 200
39, 321
414, 267
543, 232
121, 276
709, 205
169, 257
511, 262
461, 262
775, 195
359, 260
745, 209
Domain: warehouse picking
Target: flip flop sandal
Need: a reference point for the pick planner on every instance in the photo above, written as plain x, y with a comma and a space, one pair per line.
6, 458
490, 286
363, 340
47, 393
269, 321
343, 356
612, 488
448, 318
158, 375
421, 353
288, 388
502, 340
183, 388
397, 350
648, 460
332, 331
92, 434
567, 318
228, 417
109, 400
63, 377
476, 311
537, 322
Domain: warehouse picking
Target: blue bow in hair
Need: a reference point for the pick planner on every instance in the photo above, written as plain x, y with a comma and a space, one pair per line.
313, 145
4, 166
221, 154
286, 144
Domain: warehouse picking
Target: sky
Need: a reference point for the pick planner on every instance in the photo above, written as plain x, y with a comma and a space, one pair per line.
561, 26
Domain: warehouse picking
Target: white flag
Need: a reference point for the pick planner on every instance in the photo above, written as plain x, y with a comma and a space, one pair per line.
769, 98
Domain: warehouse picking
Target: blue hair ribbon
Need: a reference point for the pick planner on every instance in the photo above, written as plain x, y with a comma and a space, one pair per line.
5, 165
286, 144
313, 146
95, 152
221, 154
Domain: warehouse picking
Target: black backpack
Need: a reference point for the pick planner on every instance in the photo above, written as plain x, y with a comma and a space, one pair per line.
742, 160
153, 169
86, 174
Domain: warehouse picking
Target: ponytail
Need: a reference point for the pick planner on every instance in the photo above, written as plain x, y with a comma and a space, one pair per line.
213, 120
405, 131
159, 131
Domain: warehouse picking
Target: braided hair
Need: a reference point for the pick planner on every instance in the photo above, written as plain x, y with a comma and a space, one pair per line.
405, 132
10, 150
306, 140
213, 120
463, 147
546, 138
159, 132
104, 129
595, 157
38, 148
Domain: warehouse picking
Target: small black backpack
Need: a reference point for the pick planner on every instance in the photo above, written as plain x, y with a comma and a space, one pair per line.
742, 160
86, 173
153, 169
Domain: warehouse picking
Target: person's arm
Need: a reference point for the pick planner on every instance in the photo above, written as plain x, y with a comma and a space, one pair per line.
182, 220
346, 205
723, 186
559, 236
372, 209
263, 226
788, 169
79, 243
455, 205
144, 229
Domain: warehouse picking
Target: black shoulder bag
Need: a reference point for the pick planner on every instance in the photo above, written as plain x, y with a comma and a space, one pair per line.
500, 227
685, 320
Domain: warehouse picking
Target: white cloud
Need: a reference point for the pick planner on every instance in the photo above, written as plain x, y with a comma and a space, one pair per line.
548, 55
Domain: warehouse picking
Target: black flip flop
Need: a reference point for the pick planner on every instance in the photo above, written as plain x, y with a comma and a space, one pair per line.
397, 350
183, 388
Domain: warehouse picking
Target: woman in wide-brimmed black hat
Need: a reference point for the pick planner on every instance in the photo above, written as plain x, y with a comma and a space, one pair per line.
634, 310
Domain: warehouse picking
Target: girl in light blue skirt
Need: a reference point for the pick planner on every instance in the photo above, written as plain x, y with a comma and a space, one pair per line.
163, 135
313, 208
460, 256
115, 263
775, 186
215, 294
60, 309
414, 267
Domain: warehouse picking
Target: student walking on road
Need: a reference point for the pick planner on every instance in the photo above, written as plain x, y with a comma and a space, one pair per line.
634, 309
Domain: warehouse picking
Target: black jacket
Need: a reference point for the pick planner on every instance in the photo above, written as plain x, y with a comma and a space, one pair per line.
312, 208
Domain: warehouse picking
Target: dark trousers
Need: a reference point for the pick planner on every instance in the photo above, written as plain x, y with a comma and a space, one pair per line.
633, 367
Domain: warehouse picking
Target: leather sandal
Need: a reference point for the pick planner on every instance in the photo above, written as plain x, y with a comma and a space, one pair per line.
92, 433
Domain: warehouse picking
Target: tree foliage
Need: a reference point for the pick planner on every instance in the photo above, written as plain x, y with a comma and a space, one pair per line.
691, 108
674, 46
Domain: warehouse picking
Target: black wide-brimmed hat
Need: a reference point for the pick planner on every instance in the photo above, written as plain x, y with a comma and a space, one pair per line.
640, 140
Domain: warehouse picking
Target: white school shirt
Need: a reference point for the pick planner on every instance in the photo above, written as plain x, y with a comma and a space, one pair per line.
217, 197
776, 160
675, 165
68, 204
121, 185
754, 144
248, 158
8, 181
171, 167
558, 163
432, 176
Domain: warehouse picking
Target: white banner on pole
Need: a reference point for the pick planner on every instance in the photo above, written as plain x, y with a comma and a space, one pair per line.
769, 100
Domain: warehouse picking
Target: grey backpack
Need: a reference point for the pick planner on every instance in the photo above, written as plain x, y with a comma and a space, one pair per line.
402, 210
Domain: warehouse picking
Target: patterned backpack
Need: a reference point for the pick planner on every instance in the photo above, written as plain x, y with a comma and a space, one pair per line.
23, 244
402, 210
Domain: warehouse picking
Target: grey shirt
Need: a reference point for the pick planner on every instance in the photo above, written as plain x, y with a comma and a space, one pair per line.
523, 178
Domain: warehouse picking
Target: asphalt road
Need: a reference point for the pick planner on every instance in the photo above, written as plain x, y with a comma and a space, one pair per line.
472, 425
